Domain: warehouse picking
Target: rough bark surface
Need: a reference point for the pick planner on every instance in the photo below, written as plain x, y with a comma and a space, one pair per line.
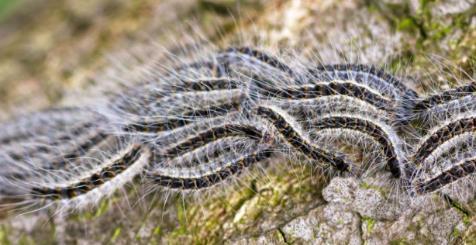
48, 48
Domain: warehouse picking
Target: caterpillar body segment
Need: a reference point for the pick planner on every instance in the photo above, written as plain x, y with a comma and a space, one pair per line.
381, 133
210, 164
445, 97
187, 117
441, 106
84, 185
443, 133
313, 108
205, 137
55, 138
57, 122
402, 97
322, 89
295, 137
204, 159
232, 168
457, 171
444, 158
250, 53
366, 74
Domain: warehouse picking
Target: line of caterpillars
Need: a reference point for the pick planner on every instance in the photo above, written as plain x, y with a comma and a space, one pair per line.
269, 112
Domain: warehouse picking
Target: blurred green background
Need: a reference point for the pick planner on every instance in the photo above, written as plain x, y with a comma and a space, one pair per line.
6, 6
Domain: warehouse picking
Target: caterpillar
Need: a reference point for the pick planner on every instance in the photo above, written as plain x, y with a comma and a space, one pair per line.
443, 105
458, 169
85, 185
204, 122
442, 133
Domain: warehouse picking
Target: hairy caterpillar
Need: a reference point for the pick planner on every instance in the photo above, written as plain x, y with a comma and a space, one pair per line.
444, 105
203, 122
442, 133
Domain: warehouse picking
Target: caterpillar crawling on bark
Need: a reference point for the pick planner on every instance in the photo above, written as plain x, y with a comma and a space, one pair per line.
205, 121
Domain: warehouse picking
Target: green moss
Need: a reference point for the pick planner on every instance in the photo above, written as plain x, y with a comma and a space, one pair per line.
156, 236
367, 186
406, 24
421, 22
182, 219
460, 208
116, 234
25, 240
456, 234
157, 231
95, 213
3, 236
103, 207
237, 213
467, 220
7, 7
369, 223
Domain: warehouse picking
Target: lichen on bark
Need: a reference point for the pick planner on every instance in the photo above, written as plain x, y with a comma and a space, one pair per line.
61, 46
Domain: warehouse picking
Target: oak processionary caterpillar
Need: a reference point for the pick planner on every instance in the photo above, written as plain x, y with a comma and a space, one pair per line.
204, 121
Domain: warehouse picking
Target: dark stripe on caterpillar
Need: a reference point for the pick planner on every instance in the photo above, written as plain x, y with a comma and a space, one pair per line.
298, 142
445, 97
261, 56
462, 169
86, 185
234, 168
210, 135
187, 117
443, 134
308, 91
368, 127
379, 75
